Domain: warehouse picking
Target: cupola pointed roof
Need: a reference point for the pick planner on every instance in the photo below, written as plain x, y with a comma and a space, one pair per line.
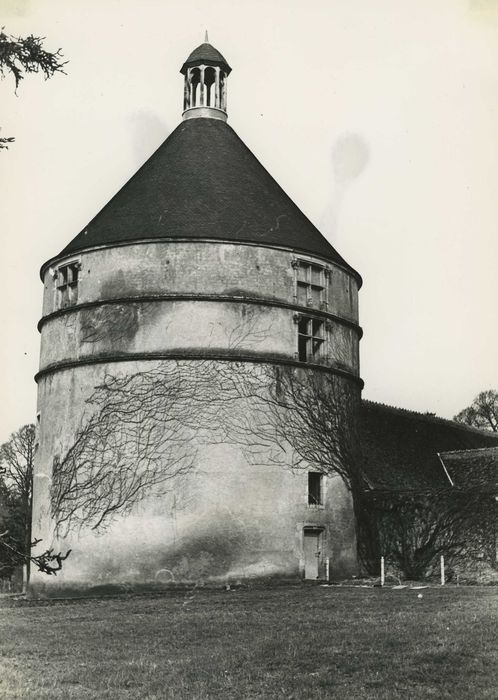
207, 54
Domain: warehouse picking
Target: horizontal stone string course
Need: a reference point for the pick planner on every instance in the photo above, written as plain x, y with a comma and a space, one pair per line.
134, 357
203, 297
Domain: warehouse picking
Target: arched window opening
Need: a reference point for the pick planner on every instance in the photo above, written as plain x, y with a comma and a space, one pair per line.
196, 79
209, 80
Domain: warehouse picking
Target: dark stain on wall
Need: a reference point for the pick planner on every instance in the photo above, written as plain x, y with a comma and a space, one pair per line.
212, 553
116, 285
112, 323
115, 323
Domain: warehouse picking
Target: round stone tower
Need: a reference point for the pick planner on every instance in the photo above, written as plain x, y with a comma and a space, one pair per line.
198, 273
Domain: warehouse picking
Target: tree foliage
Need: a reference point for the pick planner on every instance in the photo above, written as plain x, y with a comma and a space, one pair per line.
483, 411
23, 55
16, 481
16, 501
16, 462
12, 523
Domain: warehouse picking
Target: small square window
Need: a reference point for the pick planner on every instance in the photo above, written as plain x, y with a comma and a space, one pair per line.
310, 284
310, 337
316, 275
302, 294
66, 282
67, 275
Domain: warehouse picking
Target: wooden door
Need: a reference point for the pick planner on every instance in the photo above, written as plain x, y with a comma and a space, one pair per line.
312, 553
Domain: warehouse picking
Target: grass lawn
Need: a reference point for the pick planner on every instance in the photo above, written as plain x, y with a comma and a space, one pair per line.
288, 642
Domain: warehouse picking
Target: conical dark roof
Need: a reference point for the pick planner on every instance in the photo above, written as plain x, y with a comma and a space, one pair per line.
205, 53
203, 182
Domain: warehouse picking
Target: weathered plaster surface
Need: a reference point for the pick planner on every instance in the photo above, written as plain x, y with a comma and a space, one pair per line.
231, 516
195, 326
197, 268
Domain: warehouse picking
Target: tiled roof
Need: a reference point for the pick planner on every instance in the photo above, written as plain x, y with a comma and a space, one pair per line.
400, 448
477, 468
204, 183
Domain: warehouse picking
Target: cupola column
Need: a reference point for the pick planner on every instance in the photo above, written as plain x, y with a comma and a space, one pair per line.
202, 95
223, 90
186, 92
188, 89
217, 102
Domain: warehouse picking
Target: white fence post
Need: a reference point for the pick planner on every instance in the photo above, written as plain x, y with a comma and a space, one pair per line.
442, 571
382, 571
327, 570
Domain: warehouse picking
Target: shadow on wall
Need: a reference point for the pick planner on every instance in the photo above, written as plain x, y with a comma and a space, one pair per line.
210, 554
223, 551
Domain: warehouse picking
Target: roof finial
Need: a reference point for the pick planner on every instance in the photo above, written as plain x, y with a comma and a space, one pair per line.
206, 38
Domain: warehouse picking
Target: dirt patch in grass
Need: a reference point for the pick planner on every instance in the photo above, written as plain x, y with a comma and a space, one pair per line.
292, 642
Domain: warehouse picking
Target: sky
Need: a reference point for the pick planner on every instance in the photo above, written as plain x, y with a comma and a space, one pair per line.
379, 119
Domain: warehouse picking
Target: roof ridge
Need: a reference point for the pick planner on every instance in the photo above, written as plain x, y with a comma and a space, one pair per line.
470, 449
433, 418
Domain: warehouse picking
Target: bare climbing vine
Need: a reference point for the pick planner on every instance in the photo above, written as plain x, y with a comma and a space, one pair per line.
144, 430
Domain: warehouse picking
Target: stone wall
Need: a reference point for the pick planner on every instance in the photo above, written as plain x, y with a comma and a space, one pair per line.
231, 511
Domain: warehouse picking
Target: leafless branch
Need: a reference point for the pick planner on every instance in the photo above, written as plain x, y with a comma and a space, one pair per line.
47, 562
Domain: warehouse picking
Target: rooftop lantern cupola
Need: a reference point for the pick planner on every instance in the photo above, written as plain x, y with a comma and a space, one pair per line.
205, 72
